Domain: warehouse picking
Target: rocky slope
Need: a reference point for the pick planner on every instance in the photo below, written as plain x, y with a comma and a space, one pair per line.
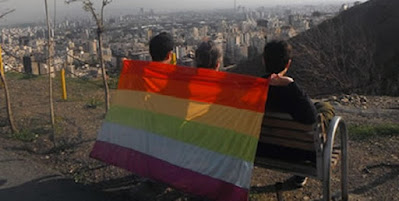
355, 52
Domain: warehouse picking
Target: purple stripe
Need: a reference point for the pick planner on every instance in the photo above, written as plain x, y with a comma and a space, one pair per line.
180, 178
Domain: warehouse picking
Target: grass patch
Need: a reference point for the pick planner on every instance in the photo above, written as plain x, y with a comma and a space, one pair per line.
82, 83
21, 76
113, 82
93, 103
24, 135
364, 132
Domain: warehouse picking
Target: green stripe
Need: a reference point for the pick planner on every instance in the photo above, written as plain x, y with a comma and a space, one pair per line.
209, 137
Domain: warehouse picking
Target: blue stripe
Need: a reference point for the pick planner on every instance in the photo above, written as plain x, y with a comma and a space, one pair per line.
203, 161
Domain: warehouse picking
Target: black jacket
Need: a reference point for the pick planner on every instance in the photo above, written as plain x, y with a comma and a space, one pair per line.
293, 100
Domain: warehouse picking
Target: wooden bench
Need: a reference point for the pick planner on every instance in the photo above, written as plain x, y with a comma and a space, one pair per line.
306, 150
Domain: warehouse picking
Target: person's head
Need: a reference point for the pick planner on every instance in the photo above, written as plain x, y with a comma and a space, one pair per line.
277, 57
208, 55
161, 47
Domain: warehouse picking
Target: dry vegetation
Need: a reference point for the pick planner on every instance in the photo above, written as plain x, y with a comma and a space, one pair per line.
374, 148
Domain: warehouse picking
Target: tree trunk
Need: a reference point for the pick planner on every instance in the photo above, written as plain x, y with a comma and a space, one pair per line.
8, 103
106, 88
49, 43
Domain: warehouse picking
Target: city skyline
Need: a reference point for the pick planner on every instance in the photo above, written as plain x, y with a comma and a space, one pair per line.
33, 11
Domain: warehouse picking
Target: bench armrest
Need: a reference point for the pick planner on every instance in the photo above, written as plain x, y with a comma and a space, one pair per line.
337, 123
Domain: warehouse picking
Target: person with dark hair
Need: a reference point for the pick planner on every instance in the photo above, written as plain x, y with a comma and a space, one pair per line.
286, 96
208, 55
161, 48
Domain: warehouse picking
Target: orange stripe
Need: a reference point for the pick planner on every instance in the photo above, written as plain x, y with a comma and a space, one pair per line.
242, 121
239, 91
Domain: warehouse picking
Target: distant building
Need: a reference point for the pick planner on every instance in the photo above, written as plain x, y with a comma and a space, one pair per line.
203, 31
180, 52
195, 33
107, 54
70, 70
149, 34
344, 7
35, 68
44, 70
27, 61
3, 37
69, 57
262, 23
144, 56
287, 32
93, 47
24, 41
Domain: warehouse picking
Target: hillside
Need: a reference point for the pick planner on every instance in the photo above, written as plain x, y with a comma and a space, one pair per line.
355, 52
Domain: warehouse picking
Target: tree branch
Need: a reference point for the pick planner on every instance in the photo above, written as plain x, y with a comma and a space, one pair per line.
88, 7
6, 13
105, 3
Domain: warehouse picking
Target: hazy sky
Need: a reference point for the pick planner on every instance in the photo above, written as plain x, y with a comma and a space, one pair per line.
33, 10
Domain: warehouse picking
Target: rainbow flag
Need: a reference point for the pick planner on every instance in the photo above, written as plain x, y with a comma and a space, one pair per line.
194, 129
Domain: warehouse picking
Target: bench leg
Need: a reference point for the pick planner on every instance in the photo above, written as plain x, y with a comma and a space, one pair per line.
327, 175
344, 162
335, 124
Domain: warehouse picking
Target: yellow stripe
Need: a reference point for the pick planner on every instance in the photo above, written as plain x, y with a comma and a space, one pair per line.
239, 120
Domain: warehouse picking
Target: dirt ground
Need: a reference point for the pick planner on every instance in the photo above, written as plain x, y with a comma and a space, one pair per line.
374, 161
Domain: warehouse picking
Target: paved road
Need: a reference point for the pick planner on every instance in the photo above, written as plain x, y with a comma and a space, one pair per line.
24, 180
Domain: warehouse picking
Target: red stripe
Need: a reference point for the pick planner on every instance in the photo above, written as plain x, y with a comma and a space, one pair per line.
180, 178
204, 85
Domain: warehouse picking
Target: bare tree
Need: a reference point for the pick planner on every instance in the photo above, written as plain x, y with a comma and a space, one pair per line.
14, 128
99, 18
49, 58
336, 54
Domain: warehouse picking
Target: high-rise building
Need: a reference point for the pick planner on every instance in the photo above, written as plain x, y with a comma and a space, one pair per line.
149, 34
93, 47
195, 33
203, 31
69, 57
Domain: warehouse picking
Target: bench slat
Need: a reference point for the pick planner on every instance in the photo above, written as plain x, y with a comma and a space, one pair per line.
309, 146
288, 134
280, 123
287, 166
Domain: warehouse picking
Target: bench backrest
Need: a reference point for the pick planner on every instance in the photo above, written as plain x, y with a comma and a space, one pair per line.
280, 129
